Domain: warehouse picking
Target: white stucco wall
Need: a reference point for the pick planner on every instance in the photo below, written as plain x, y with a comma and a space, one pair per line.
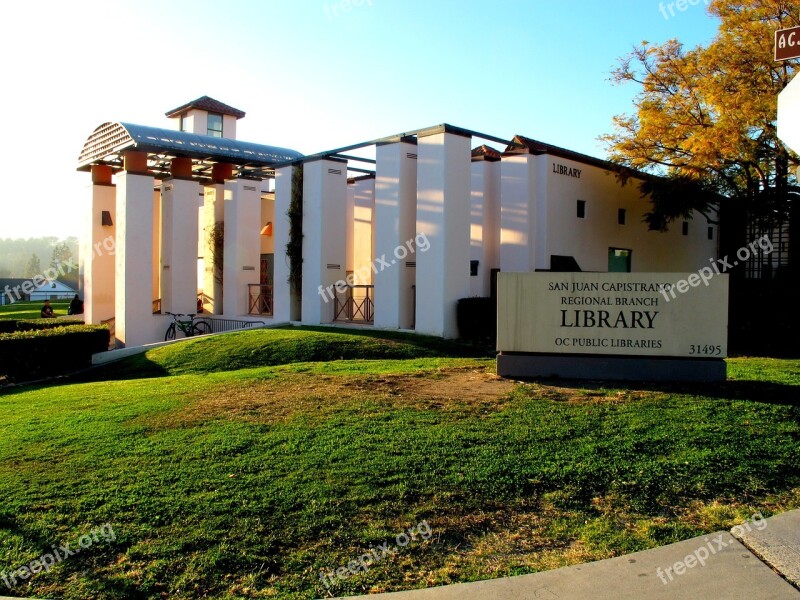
282, 294
324, 236
518, 212
443, 215
229, 127
589, 239
97, 255
135, 323
394, 223
350, 233
242, 258
484, 224
361, 247
789, 115
267, 216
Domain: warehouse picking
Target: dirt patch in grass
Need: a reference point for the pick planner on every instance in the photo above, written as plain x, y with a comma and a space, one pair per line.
584, 393
286, 395
464, 386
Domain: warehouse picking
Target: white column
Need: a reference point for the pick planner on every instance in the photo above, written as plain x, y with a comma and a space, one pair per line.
517, 213
213, 218
485, 224
98, 251
179, 217
282, 294
242, 255
351, 208
156, 247
324, 237
443, 207
395, 224
363, 230
540, 204
134, 321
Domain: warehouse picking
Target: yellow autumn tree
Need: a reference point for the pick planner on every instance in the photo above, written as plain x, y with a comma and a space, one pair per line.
705, 118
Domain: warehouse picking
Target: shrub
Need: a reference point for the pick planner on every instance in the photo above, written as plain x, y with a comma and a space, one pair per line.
29, 355
38, 324
8, 325
477, 318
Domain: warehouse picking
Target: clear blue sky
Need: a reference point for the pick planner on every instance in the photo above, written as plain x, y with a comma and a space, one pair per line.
311, 75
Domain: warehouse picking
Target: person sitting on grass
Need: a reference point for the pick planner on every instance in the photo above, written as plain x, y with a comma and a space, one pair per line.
75, 306
47, 311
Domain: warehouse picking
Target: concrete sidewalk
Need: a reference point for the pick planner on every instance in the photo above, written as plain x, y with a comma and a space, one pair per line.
729, 570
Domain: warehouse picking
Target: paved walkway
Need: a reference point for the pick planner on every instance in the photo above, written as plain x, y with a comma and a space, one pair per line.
712, 566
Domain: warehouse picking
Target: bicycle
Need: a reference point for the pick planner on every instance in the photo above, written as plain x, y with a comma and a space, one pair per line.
188, 327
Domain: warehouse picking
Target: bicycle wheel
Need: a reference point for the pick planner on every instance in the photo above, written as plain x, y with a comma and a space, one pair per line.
201, 328
170, 335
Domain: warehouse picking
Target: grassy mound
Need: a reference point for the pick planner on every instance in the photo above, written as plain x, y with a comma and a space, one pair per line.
271, 347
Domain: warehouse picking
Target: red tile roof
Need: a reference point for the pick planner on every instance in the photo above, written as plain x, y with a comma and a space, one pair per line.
209, 104
485, 152
523, 145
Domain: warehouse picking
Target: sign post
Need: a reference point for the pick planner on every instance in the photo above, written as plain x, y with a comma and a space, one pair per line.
787, 43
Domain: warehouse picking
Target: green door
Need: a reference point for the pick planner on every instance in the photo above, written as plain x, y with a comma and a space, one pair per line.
619, 260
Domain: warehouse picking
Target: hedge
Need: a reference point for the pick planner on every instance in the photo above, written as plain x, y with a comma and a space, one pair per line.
477, 318
29, 355
37, 324
12, 325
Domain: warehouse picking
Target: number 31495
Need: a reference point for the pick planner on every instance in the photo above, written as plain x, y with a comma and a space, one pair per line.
705, 350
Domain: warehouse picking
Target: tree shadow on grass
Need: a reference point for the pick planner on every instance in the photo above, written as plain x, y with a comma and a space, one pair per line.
763, 392
96, 559
446, 348
132, 367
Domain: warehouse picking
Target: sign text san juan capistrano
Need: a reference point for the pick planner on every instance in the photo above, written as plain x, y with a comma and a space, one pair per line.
611, 313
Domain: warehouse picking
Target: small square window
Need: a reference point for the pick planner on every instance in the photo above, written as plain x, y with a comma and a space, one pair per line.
581, 209
621, 216
473, 268
686, 228
184, 122
214, 125
711, 233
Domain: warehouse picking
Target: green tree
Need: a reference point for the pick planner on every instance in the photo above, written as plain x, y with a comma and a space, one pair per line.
61, 254
706, 119
34, 267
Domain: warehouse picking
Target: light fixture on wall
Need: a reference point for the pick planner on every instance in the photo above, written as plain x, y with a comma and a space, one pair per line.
267, 229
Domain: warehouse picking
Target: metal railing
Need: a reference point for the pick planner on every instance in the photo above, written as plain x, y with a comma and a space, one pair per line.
355, 304
221, 325
260, 299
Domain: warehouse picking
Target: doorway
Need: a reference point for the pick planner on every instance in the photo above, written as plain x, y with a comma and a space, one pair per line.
619, 260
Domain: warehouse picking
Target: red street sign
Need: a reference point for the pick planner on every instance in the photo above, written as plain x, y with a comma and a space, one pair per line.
787, 43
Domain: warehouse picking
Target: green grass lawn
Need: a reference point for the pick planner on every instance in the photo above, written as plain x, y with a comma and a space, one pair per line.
248, 483
32, 310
